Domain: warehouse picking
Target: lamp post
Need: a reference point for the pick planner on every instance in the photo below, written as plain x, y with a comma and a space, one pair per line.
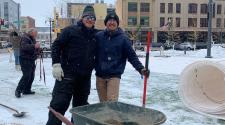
209, 29
50, 29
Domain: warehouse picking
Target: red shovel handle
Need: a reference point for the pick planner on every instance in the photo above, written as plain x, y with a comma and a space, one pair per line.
146, 67
60, 116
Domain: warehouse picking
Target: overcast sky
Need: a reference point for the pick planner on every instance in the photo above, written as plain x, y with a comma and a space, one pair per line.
41, 10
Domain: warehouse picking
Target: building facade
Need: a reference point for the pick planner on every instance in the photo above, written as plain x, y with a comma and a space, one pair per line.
75, 10
10, 12
178, 16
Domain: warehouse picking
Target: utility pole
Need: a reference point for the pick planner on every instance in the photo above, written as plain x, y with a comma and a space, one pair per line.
50, 33
209, 29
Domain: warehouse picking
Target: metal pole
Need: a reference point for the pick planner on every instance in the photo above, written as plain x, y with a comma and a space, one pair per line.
209, 29
50, 21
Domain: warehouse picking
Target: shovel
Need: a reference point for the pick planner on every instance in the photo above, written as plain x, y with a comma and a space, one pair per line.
17, 114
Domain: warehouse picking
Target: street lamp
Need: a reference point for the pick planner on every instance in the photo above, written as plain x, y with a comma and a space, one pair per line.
50, 33
209, 29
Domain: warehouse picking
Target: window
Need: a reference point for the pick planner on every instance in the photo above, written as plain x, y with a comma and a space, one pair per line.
204, 8
203, 22
224, 10
162, 7
177, 22
170, 7
218, 22
132, 7
219, 9
162, 21
224, 22
145, 7
192, 8
132, 21
192, 22
0, 11
178, 8
144, 21
6, 11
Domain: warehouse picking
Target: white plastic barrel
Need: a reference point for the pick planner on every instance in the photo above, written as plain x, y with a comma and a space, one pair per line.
202, 87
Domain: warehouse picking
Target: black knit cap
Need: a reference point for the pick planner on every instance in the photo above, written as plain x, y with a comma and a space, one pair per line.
88, 11
111, 15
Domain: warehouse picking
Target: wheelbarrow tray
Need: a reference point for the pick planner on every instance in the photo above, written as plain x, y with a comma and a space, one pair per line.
116, 113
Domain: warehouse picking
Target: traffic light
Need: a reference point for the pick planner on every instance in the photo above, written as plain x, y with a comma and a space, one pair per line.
57, 16
53, 25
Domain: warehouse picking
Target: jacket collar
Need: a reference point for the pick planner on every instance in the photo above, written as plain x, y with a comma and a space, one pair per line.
117, 32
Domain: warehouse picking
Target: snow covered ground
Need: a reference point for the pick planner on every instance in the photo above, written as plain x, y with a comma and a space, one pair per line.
162, 93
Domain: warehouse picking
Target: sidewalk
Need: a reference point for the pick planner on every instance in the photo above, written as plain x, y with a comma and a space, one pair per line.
3, 50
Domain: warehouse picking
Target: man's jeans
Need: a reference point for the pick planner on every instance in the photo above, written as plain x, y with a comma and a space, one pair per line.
17, 56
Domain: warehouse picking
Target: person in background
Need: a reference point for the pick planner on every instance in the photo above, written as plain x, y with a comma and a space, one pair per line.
73, 59
15, 40
114, 49
29, 50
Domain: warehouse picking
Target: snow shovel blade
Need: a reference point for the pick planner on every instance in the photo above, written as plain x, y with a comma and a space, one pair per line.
17, 114
21, 114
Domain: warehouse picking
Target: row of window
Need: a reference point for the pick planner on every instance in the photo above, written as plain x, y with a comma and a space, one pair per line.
192, 8
192, 22
132, 7
132, 21
40, 36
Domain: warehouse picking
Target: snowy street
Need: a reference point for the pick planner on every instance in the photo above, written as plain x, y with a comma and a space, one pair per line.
162, 89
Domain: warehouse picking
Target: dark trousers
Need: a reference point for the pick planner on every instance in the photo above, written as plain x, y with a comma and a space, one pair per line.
76, 87
28, 69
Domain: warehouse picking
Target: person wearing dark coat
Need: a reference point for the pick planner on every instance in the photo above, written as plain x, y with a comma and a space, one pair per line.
28, 54
73, 59
114, 49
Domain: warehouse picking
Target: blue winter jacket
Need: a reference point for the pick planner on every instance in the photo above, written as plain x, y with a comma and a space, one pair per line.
113, 50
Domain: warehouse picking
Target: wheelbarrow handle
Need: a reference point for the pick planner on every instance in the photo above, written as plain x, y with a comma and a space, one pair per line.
60, 116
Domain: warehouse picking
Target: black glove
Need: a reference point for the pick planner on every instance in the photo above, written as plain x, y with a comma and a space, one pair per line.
145, 72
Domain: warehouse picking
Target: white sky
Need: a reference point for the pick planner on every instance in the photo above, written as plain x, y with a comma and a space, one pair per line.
41, 10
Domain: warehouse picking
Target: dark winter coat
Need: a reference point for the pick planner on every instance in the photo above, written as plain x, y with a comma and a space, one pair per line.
75, 49
113, 52
27, 47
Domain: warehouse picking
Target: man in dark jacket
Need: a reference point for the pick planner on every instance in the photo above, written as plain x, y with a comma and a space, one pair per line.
114, 48
28, 54
73, 59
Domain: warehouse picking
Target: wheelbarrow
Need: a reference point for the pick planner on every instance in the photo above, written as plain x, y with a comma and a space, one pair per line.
116, 113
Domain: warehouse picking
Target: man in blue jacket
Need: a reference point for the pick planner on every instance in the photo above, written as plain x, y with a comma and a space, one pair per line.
114, 49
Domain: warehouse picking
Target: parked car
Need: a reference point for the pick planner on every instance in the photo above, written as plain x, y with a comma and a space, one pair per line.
4, 44
139, 46
183, 46
45, 46
201, 45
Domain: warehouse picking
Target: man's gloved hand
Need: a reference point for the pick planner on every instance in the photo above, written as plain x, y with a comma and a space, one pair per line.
57, 71
145, 72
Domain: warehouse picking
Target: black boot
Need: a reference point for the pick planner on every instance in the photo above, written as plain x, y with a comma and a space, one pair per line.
29, 92
18, 94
